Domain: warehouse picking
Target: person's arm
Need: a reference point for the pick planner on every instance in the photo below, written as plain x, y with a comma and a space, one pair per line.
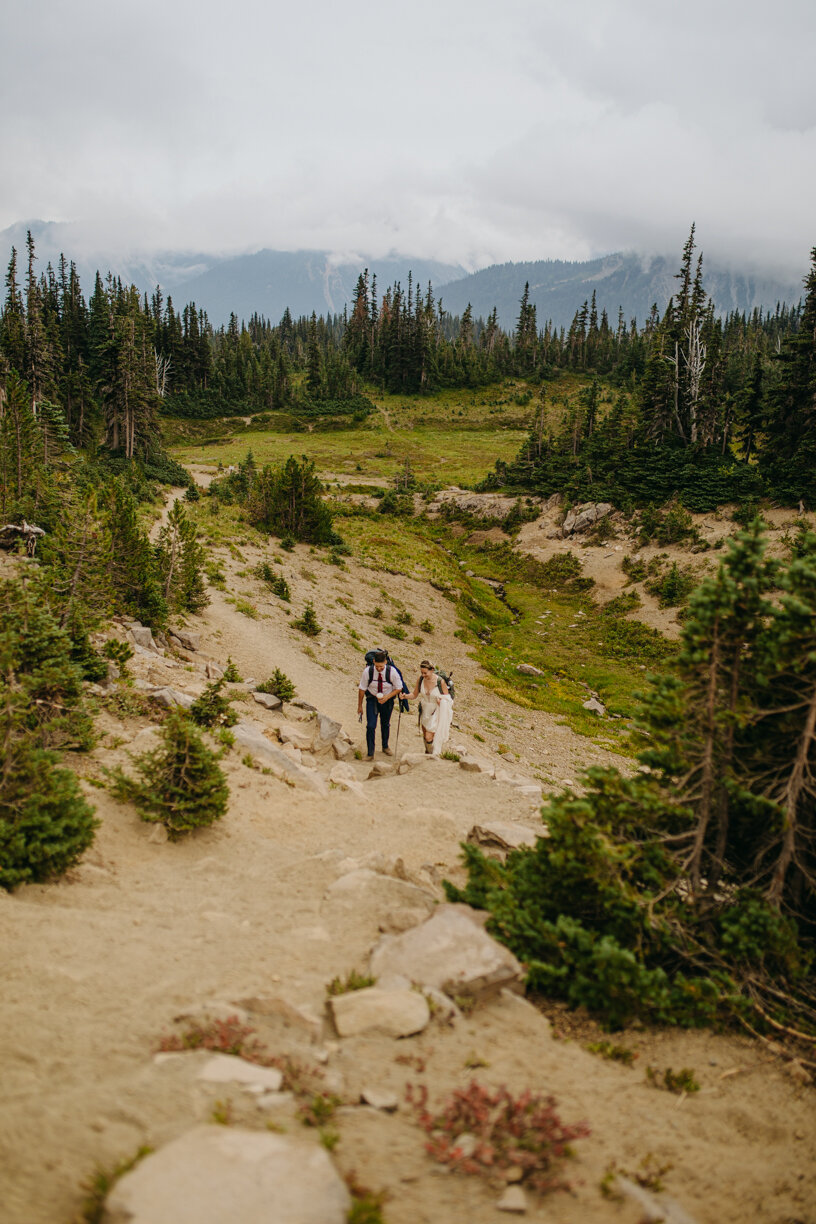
361, 692
443, 686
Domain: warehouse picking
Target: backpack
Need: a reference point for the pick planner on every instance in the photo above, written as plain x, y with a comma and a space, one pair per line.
448, 678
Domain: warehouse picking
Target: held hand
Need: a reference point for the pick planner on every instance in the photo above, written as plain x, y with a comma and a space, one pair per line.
359, 715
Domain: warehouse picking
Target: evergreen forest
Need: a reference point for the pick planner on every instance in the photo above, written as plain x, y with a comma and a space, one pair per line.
684, 893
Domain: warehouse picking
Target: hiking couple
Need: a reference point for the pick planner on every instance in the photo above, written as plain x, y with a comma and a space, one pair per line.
381, 685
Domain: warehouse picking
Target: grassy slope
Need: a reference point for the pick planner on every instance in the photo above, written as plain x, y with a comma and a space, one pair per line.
448, 441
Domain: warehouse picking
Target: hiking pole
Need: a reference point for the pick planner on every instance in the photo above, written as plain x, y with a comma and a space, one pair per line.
399, 724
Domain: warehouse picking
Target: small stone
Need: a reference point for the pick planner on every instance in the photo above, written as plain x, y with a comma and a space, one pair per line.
382, 769
214, 671
326, 733
388, 1102
342, 750
514, 1174
527, 669
158, 835
594, 706
514, 1199
470, 765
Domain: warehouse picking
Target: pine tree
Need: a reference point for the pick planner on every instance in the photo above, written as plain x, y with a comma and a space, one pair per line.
181, 556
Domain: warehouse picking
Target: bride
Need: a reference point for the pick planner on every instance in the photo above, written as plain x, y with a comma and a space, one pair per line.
435, 707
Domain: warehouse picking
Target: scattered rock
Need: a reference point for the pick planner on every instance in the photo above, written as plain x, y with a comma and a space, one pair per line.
470, 765
143, 637
296, 733
342, 774
190, 641
529, 790
326, 733
514, 1199
497, 835
166, 696
527, 669
227, 1069
300, 704
158, 835
213, 671
268, 700
217, 1173
382, 769
594, 705
342, 750
452, 952
796, 1071
399, 1013
388, 1102
275, 758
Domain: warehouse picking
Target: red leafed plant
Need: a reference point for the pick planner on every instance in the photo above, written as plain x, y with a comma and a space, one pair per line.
504, 1131
230, 1036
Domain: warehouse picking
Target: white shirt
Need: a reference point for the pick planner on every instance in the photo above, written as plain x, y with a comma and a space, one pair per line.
392, 686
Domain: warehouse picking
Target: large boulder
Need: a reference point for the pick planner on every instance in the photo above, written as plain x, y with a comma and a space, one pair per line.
452, 952
167, 696
225, 1175
268, 700
398, 1013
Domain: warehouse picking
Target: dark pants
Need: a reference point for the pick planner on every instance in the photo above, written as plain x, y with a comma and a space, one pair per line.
374, 711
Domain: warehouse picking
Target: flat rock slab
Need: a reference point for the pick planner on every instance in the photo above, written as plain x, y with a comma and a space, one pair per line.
228, 1069
364, 886
277, 760
452, 952
223, 1175
268, 700
190, 641
398, 1013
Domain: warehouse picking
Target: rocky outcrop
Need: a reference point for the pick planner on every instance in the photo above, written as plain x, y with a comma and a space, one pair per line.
276, 759
583, 516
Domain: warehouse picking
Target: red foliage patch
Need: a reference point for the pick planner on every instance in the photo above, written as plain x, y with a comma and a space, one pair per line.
503, 1132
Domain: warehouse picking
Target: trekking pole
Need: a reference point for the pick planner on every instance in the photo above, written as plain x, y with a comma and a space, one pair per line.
399, 724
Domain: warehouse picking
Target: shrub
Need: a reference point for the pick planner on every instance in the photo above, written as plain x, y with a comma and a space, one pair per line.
287, 500
307, 623
119, 653
672, 588
523, 1132
395, 631
231, 673
46, 824
352, 981
213, 708
180, 783
276, 582
279, 685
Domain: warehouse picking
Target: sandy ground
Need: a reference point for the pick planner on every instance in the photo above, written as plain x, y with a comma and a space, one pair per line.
97, 966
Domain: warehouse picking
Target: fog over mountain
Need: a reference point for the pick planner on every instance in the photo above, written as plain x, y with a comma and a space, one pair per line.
267, 282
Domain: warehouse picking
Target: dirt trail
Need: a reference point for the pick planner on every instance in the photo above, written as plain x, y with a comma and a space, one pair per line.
97, 966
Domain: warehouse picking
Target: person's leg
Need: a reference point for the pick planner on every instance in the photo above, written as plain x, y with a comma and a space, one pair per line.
372, 710
386, 710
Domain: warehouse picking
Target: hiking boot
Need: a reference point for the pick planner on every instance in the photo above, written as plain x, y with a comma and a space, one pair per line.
429, 745
369, 758
388, 751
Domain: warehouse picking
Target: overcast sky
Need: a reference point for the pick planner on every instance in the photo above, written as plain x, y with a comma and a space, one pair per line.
466, 130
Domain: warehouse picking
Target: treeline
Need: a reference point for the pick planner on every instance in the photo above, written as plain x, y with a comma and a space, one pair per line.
714, 410
118, 362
